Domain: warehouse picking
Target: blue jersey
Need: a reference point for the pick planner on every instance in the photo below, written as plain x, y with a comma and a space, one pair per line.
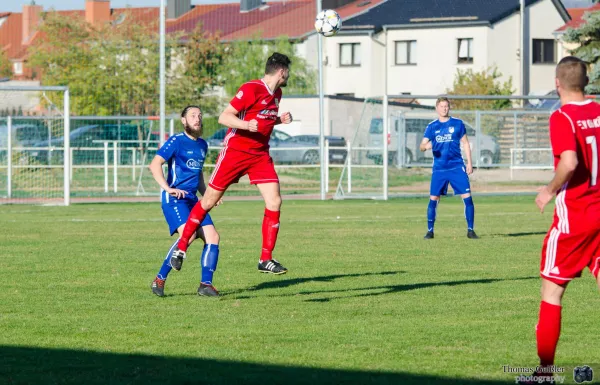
185, 157
445, 141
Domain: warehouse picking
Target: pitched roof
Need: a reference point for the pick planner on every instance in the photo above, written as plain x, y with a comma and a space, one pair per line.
426, 12
11, 33
297, 22
577, 17
227, 18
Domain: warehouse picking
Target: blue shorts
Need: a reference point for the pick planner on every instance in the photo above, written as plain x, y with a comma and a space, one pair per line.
456, 177
177, 211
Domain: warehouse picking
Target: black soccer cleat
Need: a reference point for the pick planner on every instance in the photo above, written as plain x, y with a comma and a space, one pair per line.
158, 287
177, 258
271, 266
471, 234
207, 290
429, 235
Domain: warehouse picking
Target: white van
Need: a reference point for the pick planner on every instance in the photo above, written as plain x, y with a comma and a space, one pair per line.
413, 129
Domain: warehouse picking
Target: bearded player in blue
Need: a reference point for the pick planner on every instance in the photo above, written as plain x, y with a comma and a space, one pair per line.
185, 154
444, 137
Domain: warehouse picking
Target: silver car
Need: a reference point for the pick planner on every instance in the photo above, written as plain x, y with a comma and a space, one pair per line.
284, 148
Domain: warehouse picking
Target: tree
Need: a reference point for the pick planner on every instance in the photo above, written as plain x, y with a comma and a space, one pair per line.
246, 60
199, 59
113, 69
469, 82
5, 65
587, 36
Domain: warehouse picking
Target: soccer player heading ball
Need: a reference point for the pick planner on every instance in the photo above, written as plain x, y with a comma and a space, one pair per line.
250, 116
443, 136
573, 241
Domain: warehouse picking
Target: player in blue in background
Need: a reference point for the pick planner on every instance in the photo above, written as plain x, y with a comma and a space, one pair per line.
185, 154
444, 137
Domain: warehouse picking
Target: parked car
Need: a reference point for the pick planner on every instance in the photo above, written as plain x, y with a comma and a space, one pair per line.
544, 104
23, 135
337, 146
489, 149
284, 147
91, 136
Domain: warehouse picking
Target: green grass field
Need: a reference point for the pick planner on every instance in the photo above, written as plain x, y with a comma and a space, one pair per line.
366, 299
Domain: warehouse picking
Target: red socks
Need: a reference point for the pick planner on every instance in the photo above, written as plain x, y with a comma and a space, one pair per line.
196, 217
270, 228
547, 332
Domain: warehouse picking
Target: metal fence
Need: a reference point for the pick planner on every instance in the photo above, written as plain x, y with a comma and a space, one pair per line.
108, 157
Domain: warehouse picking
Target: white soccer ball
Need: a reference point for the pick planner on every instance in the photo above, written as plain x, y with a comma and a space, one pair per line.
328, 22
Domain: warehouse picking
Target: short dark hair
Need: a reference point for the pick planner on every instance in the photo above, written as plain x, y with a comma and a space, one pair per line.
442, 99
276, 62
571, 71
187, 108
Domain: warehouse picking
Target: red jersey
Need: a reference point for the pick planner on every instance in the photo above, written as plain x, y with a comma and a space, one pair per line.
576, 127
254, 100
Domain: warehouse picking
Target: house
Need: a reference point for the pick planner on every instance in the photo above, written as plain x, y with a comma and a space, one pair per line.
243, 20
426, 44
576, 21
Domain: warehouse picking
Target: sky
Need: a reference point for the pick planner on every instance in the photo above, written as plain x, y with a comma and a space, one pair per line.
17, 6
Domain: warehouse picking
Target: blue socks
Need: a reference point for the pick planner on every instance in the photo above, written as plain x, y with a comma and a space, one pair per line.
469, 212
166, 266
208, 262
431, 211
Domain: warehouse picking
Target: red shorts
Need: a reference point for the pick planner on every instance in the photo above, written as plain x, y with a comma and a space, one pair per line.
233, 164
564, 256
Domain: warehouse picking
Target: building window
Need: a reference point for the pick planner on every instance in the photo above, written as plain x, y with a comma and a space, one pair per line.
465, 50
18, 68
544, 51
349, 54
406, 52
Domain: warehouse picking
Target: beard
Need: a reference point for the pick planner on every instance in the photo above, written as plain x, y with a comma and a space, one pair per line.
195, 131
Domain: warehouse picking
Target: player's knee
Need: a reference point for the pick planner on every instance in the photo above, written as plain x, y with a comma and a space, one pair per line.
274, 203
212, 237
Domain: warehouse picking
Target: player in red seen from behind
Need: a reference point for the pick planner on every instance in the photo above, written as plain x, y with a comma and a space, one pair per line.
250, 116
573, 241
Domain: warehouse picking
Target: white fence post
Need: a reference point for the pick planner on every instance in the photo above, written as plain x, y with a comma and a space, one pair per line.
115, 164
9, 158
133, 164
477, 137
349, 160
67, 147
71, 165
105, 167
326, 160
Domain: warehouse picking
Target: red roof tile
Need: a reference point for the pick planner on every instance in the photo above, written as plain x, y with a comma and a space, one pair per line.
11, 34
227, 18
577, 17
297, 22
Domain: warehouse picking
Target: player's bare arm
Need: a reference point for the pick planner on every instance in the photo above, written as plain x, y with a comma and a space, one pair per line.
285, 118
564, 171
467, 147
425, 145
157, 173
229, 118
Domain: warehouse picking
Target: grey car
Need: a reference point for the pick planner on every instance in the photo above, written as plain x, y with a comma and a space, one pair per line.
284, 147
